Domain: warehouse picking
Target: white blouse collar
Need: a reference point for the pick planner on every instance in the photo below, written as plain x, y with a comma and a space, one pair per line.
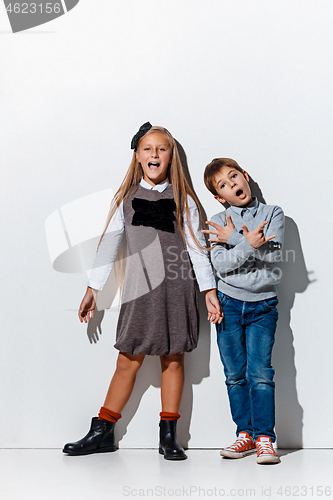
159, 187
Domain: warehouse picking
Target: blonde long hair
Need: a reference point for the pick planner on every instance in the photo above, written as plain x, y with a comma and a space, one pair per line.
176, 178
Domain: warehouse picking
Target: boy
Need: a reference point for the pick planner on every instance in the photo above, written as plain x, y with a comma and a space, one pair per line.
248, 237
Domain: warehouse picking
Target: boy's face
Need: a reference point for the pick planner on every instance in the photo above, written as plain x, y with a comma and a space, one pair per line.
233, 187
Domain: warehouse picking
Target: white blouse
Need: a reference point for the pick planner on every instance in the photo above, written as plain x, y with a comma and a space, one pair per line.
108, 248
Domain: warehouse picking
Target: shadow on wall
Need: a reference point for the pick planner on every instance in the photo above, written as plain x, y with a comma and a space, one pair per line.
289, 413
295, 279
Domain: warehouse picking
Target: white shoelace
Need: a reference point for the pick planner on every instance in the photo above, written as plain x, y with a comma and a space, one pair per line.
239, 443
265, 448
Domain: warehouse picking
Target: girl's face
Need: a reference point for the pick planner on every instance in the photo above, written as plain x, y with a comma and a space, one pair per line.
154, 153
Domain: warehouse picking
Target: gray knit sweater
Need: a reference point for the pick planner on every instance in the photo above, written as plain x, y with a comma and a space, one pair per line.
243, 272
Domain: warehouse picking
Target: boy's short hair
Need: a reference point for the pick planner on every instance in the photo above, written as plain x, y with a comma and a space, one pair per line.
214, 168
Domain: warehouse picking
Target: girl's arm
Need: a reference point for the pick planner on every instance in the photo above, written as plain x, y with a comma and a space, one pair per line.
107, 251
199, 258
201, 263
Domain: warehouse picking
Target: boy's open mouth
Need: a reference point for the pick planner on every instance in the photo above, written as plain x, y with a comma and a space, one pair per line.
240, 194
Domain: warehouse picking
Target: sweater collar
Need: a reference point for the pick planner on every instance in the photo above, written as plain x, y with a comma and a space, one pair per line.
159, 187
247, 211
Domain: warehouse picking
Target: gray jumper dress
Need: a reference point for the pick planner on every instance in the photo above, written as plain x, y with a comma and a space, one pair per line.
159, 311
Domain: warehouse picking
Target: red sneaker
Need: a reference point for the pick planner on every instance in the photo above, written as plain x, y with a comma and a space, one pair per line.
243, 446
265, 451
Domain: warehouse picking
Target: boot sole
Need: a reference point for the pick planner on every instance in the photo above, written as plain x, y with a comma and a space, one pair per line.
102, 450
161, 452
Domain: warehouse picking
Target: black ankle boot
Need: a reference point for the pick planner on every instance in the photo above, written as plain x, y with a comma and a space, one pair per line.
168, 441
99, 439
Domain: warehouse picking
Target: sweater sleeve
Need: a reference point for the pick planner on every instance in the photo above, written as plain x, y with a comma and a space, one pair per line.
107, 251
271, 251
199, 258
226, 258
235, 238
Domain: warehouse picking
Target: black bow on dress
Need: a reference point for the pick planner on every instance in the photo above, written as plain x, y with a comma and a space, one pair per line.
158, 214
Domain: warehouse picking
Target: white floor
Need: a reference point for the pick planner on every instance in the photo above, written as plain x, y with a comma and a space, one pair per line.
40, 474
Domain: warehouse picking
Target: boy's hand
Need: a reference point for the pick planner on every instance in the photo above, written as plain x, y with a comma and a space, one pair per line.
87, 306
222, 232
256, 237
214, 308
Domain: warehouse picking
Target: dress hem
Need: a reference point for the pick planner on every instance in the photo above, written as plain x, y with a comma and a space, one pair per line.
153, 354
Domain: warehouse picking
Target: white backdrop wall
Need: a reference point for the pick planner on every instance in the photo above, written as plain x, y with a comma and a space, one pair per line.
247, 79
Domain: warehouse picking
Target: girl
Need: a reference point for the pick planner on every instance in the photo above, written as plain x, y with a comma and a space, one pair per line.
159, 314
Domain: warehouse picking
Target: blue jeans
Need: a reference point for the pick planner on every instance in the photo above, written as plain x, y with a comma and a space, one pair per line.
245, 339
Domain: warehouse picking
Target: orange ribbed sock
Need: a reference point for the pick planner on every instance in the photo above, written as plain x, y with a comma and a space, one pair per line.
109, 415
167, 415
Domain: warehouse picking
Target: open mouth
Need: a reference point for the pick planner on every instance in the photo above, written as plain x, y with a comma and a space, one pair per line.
153, 164
240, 194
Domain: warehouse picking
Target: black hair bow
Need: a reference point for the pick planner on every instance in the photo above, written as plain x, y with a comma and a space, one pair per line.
141, 132
158, 214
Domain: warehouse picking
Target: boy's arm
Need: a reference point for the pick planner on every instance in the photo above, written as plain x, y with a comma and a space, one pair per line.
223, 234
226, 259
235, 238
271, 251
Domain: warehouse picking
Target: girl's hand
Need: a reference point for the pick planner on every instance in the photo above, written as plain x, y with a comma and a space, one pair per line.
222, 232
87, 306
215, 313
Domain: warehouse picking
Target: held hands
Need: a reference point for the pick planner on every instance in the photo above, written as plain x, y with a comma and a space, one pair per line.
222, 232
87, 306
215, 313
256, 237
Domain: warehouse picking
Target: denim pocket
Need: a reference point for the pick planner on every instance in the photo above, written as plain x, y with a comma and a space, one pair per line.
269, 304
224, 299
